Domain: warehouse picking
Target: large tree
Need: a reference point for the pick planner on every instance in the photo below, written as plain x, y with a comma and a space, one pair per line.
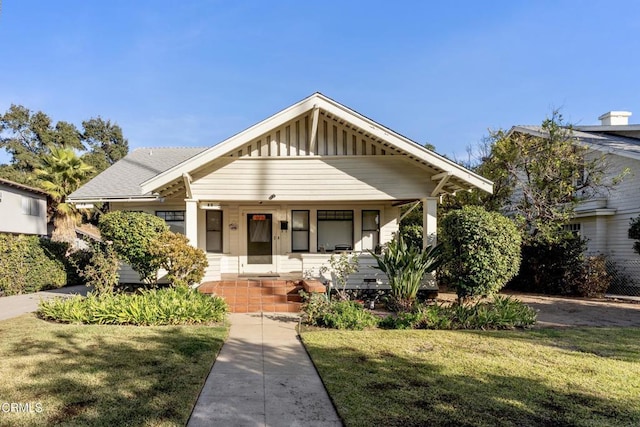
543, 174
61, 173
106, 142
540, 174
29, 136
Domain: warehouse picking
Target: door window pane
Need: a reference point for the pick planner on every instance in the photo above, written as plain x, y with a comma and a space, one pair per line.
259, 241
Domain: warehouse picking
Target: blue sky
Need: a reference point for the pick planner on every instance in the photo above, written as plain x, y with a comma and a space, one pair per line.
192, 73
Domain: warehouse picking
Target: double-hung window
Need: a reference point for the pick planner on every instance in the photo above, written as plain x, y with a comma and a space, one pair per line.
214, 231
370, 229
300, 231
335, 230
30, 206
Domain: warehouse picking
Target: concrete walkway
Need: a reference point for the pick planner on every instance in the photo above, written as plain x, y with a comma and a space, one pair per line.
263, 377
17, 305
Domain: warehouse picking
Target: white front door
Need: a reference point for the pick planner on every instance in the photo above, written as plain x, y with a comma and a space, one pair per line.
259, 243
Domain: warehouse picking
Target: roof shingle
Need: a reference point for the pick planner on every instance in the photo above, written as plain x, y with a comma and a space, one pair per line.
123, 179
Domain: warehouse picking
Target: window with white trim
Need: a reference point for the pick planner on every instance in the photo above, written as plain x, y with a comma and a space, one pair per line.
572, 228
30, 206
214, 231
335, 230
174, 219
370, 229
300, 231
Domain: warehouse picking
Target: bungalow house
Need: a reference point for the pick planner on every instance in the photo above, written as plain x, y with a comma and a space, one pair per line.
604, 219
278, 198
23, 209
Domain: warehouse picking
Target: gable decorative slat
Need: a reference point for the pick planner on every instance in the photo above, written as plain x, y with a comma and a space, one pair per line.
334, 138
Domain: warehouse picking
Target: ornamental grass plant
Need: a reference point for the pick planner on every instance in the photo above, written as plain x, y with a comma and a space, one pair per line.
152, 307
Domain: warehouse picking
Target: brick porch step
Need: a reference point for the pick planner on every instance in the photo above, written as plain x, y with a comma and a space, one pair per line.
250, 296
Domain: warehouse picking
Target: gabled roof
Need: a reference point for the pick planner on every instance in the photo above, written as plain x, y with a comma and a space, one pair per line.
458, 175
123, 179
614, 144
23, 187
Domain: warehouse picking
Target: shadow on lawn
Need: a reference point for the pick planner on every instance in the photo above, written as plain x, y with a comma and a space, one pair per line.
392, 390
614, 343
115, 375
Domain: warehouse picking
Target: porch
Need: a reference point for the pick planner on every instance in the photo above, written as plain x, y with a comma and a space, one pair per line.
261, 294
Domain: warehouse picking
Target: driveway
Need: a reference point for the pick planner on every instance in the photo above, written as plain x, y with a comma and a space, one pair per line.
16, 305
563, 312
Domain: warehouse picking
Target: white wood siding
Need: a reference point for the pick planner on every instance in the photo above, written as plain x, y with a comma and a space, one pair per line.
609, 234
625, 196
12, 217
375, 279
340, 178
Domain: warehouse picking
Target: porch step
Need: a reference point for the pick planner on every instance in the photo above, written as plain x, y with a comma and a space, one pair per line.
250, 296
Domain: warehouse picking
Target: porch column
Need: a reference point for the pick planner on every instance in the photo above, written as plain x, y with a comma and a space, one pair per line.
191, 221
429, 221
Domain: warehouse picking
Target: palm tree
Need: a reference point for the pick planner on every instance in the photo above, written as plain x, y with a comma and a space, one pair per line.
62, 172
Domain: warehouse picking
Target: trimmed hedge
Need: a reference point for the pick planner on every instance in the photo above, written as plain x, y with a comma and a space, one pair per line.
30, 264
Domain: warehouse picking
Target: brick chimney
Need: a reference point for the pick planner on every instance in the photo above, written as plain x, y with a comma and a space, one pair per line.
615, 118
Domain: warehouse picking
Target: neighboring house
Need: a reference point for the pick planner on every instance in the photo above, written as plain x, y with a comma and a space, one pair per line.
281, 196
604, 219
23, 209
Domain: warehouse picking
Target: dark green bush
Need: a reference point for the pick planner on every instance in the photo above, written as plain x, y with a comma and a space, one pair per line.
185, 265
412, 234
169, 306
30, 264
481, 251
501, 313
551, 267
319, 310
315, 305
348, 315
132, 234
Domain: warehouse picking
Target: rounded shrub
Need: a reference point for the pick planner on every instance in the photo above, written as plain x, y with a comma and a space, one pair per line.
185, 264
132, 234
481, 251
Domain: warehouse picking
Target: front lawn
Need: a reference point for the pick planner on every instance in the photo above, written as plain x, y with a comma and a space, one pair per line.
97, 375
568, 377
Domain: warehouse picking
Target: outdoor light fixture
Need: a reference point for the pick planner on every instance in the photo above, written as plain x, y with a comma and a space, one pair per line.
271, 197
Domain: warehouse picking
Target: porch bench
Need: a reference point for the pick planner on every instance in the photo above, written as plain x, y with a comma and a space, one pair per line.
311, 286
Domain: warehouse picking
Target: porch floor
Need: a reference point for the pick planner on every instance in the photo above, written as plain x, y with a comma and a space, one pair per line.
254, 295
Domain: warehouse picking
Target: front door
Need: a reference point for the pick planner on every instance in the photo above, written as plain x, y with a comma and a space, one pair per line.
259, 243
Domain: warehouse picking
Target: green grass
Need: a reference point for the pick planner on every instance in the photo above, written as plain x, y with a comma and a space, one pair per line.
94, 375
544, 377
